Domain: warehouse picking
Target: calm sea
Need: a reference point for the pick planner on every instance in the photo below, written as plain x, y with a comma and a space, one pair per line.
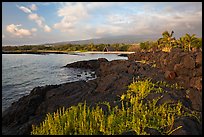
22, 72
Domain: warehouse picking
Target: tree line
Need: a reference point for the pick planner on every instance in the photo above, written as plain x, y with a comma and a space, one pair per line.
166, 42
68, 47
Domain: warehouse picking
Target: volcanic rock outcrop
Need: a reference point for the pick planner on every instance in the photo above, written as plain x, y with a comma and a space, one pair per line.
113, 78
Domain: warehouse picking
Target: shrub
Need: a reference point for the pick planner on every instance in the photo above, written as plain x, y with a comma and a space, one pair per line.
134, 115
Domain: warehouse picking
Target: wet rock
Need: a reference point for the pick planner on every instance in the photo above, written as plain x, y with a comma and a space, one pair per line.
91, 64
102, 60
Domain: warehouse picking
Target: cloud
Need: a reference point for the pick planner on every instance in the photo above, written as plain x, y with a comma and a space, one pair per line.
72, 13
29, 9
33, 7
47, 28
155, 20
24, 9
3, 36
16, 31
40, 21
33, 29
36, 18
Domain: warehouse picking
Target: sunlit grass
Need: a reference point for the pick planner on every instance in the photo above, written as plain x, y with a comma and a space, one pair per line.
134, 115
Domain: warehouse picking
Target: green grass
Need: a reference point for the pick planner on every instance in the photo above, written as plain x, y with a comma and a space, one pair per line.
134, 115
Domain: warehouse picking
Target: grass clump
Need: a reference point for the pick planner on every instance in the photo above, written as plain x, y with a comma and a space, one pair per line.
134, 115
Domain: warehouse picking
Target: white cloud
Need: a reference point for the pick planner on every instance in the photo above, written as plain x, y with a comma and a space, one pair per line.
20, 32
40, 21
33, 7
36, 18
71, 13
96, 5
74, 13
47, 28
3, 36
24, 9
29, 9
154, 21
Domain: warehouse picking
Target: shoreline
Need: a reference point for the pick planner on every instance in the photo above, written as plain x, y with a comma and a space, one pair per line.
113, 78
63, 52
109, 52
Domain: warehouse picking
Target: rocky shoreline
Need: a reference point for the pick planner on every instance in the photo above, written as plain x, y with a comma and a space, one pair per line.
112, 80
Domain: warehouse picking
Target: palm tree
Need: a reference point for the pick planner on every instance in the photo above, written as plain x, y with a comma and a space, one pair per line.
190, 40
199, 43
168, 37
181, 42
166, 40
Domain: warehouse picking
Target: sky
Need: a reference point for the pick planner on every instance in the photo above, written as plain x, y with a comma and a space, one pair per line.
46, 22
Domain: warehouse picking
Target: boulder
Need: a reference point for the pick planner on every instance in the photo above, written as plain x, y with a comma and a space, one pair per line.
129, 133
152, 131
180, 69
199, 59
196, 82
195, 98
197, 72
102, 60
169, 75
91, 64
190, 126
176, 50
183, 81
188, 62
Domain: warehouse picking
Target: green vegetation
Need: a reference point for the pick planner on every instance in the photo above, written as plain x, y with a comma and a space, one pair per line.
166, 40
134, 115
166, 43
190, 41
66, 47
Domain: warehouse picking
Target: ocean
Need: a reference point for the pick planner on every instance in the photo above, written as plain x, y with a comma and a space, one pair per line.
22, 72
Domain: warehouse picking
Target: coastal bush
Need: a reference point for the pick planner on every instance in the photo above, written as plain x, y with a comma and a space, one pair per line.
134, 114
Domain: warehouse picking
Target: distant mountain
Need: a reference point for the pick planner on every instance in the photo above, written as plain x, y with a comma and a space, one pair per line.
127, 39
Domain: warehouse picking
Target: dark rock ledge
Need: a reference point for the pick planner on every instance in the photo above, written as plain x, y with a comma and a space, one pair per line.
112, 80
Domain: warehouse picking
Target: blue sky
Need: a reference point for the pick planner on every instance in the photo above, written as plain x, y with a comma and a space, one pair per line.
46, 22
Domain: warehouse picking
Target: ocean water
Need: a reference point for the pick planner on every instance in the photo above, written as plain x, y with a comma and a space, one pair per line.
22, 72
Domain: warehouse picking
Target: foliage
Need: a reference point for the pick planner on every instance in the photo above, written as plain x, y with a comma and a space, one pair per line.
165, 43
134, 115
67, 47
145, 45
134, 47
190, 40
186, 42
